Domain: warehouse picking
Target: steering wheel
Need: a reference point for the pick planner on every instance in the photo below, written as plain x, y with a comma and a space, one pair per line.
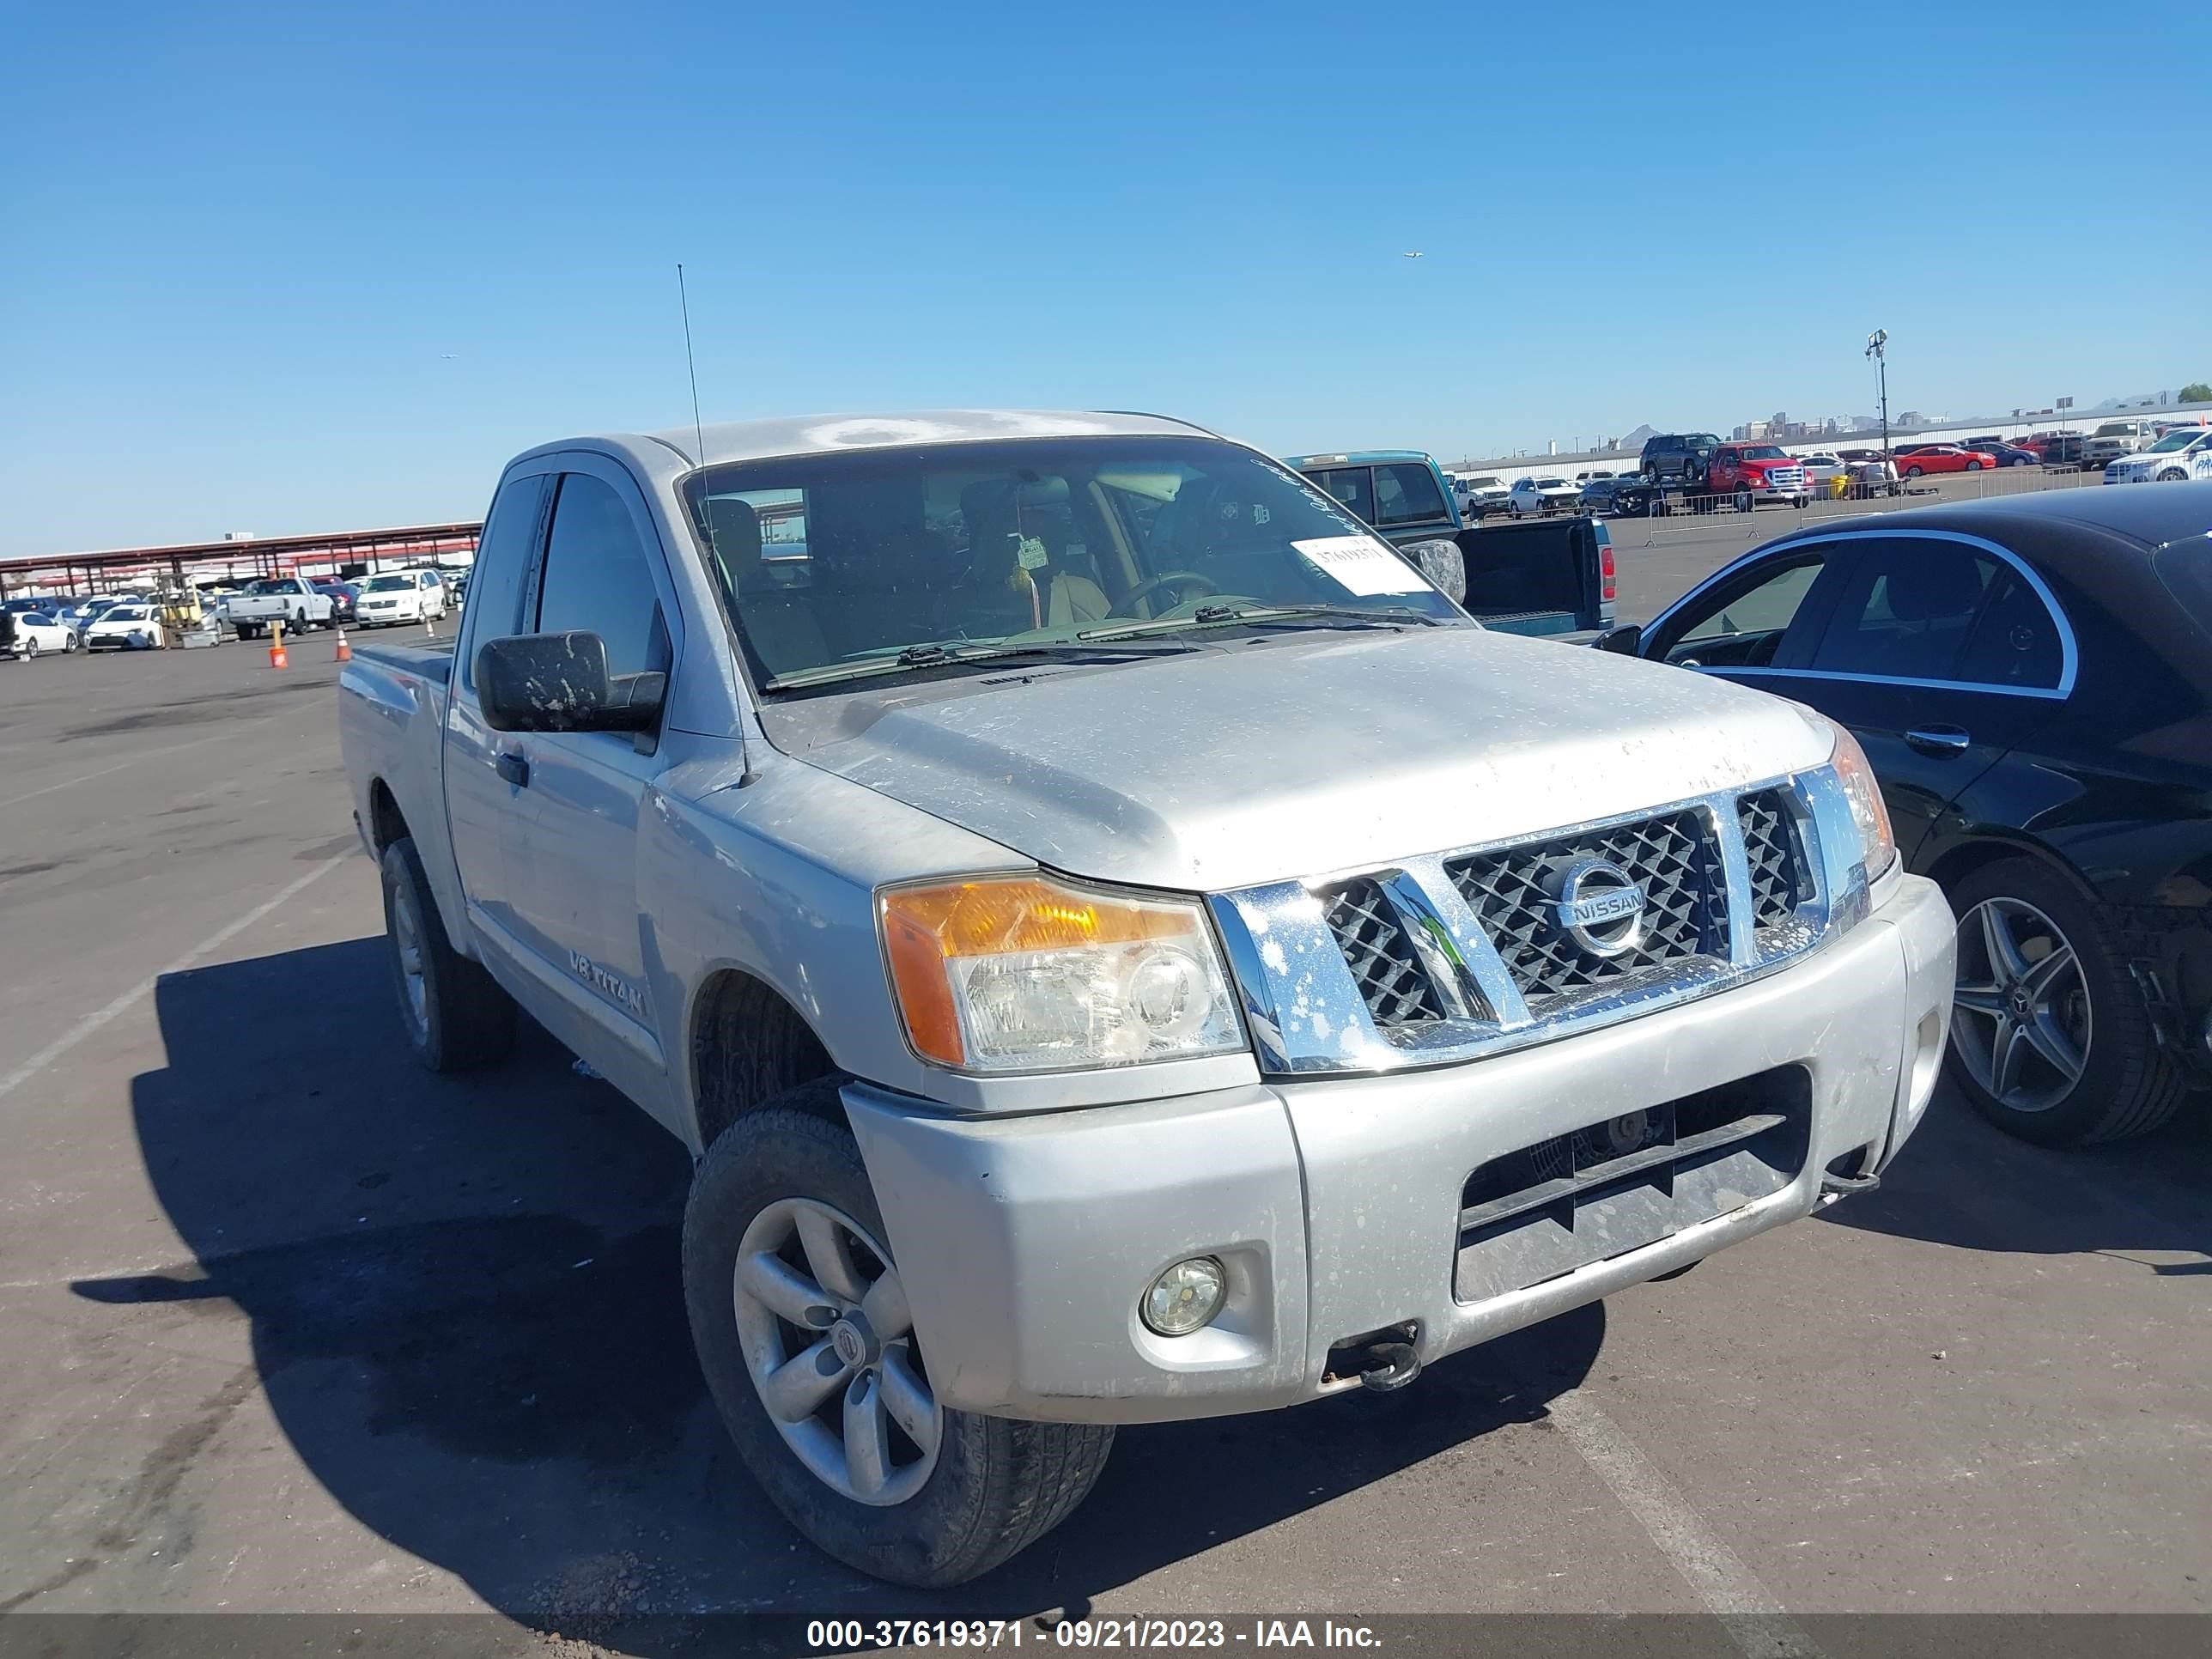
1175, 579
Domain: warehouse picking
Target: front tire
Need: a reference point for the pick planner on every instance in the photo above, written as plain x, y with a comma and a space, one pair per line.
1913, 473
1973, 466
785, 1267
454, 1013
2050, 1039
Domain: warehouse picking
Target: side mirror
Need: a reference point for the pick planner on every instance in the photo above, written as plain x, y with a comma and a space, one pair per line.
559, 682
1623, 640
1443, 563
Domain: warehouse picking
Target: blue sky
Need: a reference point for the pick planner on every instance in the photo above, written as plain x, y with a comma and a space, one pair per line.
269, 270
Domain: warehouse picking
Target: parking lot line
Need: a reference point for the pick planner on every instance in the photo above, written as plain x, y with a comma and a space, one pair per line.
1754, 1617
215, 941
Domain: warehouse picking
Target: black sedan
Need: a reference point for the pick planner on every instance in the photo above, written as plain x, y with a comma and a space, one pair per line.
345, 602
2031, 676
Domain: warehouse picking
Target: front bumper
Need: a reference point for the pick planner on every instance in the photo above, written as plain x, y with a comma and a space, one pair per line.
1336, 1205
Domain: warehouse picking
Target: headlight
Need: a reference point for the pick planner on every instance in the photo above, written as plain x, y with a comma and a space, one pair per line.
1027, 974
1877, 841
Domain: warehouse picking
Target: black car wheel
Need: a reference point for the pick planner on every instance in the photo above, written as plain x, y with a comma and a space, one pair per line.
2050, 1039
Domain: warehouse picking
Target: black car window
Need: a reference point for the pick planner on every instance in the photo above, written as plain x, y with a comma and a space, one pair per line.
1915, 608
1741, 621
598, 578
1405, 493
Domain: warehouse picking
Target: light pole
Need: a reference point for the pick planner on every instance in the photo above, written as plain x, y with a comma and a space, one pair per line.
1875, 341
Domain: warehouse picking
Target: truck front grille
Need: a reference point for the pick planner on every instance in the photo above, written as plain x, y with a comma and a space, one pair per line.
1780, 883
1381, 957
1515, 892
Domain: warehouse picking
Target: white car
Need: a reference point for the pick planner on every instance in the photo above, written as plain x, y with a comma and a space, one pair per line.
36, 631
125, 627
1480, 494
1541, 495
2184, 453
1826, 469
401, 596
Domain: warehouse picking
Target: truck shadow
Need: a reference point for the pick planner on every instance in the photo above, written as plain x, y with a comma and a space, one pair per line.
466, 1315
1963, 1183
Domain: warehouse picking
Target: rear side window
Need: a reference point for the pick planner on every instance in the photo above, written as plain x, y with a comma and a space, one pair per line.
1918, 609
503, 553
1352, 486
598, 578
1405, 493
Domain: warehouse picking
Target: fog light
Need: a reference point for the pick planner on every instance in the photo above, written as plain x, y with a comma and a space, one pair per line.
1185, 1297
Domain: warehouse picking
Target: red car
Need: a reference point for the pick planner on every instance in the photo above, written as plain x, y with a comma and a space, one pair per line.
1913, 460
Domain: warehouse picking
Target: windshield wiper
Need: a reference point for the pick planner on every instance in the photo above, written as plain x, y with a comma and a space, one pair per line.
937, 654
1325, 615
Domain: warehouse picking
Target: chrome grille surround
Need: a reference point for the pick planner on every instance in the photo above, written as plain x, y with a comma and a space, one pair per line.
1308, 1014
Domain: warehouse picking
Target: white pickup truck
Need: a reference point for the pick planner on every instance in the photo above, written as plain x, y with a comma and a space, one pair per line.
1120, 945
292, 600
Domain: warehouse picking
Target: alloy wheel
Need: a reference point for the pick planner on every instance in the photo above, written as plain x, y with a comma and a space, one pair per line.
407, 940
2020, 1015
822, 1321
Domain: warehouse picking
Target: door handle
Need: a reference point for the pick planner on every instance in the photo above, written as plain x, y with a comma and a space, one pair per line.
1939, 740
515, 768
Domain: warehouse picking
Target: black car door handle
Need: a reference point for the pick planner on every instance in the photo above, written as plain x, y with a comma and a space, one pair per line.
515, 768
1939, 740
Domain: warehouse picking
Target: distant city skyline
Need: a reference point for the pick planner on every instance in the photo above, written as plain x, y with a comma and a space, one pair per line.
1765, 429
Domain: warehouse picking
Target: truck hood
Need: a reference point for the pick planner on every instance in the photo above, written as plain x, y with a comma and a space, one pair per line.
1288, 758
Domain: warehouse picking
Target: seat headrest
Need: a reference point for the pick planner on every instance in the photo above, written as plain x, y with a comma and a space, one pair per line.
735, 529
1921, 590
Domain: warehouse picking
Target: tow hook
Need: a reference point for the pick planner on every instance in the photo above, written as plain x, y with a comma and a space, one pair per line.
1383, 1360
1834, 1186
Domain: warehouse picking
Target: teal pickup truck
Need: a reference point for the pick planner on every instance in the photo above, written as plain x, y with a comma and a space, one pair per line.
1547, 576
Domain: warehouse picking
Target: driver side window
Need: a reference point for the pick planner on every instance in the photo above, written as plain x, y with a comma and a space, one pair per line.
1740, 625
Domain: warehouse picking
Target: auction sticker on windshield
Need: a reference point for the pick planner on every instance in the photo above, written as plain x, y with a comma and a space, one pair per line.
1361, 565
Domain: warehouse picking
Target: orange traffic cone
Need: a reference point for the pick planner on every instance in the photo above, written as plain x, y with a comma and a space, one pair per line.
344, 653
278, 656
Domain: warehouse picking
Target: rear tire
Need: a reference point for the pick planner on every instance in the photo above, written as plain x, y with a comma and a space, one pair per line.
988, 1489
453, 1012
2126, 1087
30, 650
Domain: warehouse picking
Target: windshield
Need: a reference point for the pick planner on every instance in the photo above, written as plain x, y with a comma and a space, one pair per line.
2185, 568
1485, 482
2180, 438
124, 613
843, 558
2116, 429
389, 584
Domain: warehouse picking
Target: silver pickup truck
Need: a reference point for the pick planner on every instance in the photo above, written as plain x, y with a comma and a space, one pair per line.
1120, 945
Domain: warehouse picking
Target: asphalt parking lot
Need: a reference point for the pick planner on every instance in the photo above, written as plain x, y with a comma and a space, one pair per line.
293, 1326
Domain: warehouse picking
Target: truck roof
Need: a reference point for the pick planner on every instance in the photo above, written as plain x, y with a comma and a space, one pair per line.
1358, 457
817, 434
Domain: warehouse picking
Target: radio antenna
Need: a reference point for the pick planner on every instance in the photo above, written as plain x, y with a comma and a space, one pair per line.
684, 299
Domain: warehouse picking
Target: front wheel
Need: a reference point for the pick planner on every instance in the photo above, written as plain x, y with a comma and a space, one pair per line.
1973, 466
803, 1332
2050, 1039
1913, 473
